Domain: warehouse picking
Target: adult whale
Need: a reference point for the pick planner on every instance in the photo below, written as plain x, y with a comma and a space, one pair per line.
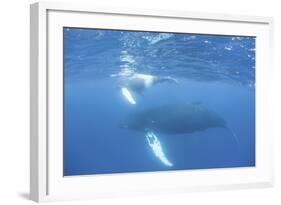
174, 119
137, 83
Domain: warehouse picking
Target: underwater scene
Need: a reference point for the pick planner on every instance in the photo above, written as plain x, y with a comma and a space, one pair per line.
140, 101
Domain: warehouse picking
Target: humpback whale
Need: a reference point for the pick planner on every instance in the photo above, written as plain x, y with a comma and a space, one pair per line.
174, 119
137, 83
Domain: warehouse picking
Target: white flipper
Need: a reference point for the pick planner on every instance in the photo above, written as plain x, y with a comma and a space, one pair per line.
154, 143
129, 97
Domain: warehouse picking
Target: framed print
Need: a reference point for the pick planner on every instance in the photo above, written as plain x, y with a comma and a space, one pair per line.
127, 102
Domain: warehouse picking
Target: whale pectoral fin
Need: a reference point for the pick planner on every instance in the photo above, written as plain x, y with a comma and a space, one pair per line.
156, 147
128, 95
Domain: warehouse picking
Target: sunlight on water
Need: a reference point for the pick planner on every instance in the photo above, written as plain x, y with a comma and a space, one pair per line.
155, 144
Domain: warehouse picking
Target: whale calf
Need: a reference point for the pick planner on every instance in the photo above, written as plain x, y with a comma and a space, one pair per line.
137, 83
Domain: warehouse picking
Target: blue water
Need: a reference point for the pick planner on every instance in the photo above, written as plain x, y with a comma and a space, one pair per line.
210, 71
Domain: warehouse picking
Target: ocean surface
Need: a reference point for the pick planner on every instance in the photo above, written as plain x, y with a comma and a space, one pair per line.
149, 101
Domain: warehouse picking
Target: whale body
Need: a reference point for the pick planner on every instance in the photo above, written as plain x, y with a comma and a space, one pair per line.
175, 119
137, 83
172, 119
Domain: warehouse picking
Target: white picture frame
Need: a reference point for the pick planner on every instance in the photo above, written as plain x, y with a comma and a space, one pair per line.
46, 179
